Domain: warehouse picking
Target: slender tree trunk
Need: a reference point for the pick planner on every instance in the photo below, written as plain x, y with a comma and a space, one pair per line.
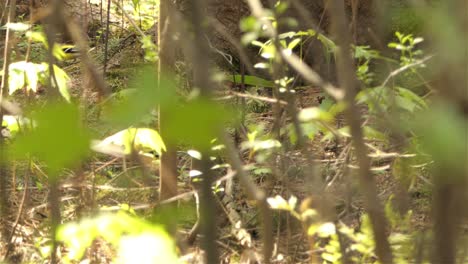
4, 175
168, 169
202, 82
347, 79
168, 162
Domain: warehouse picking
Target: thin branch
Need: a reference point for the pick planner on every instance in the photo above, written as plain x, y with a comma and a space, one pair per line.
106, 43
203, 83
241, 50
4, 174
310, 75
255, 97
254, 193
404, 68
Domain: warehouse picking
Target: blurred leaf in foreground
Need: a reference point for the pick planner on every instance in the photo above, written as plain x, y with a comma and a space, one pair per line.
197, 122
59, 139
443, 136
137, 241
141, 99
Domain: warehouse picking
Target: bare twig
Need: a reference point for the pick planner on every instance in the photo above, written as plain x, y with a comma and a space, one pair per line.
129, 18
311, 76
20, 210
256, 194
256, 97
404, 68
241, 50
94, 74
106, 41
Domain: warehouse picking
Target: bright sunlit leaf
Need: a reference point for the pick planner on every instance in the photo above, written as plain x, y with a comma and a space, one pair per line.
136, 240
279, 203
442, 131
133, 139
16, 123
144, 97
30, 75
147, 247
195, 154
314, 113
36, 36
17, 26
326, 229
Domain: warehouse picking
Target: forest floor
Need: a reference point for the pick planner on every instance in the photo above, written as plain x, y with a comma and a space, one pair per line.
107, 183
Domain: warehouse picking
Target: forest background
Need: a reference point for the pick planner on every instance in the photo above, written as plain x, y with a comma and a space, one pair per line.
212, 131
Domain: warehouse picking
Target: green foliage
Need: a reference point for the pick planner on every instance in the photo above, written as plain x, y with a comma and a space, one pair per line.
259, 144
132, 107
279, 203
59, 139
30, 75
136, 240
407, 46
16, 124
442, 133
197, 122
364, 56
151, 50
405, 18
251, 80
383, 99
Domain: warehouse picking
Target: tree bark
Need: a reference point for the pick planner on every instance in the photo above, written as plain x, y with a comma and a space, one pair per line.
168, 162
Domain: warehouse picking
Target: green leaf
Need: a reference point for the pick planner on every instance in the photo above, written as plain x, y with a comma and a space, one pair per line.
37, 37
62, 79
372, 134
326, 230
261, 144
294, 43
196, 123
249, 38
281, 7
417, 40
144, 97
15, 124
417, 101
342, 132
328, 43
194, 154
364, 52
249, 24
59, 140
135, 240
279, 203
251, 80
314, 114
442, 131
30, 75
147, 247
310, 130
268, 51
24, 74
286, 35
331, 257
